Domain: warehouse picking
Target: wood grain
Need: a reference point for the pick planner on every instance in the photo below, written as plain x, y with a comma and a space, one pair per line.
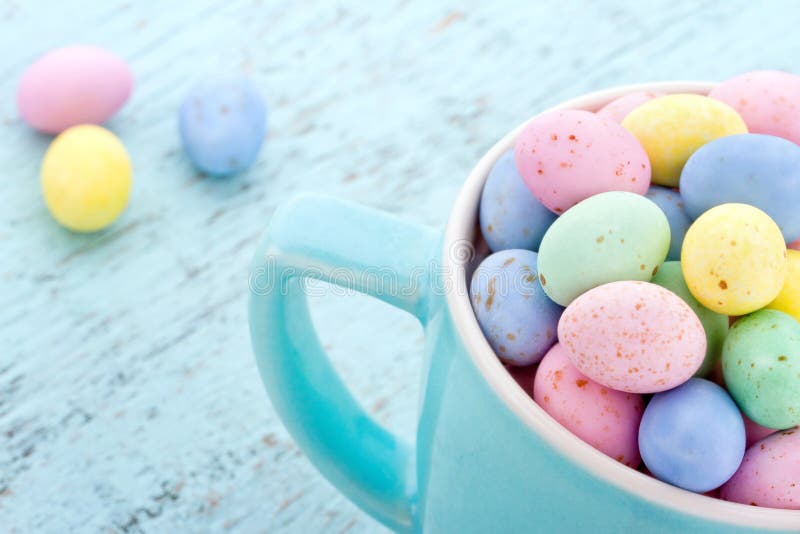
129, 399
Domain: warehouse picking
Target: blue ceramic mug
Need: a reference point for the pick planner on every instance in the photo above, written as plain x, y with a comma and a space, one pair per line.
485, 457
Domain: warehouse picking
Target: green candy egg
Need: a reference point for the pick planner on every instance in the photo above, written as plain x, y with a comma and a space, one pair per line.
669, 276
761, 365
606, 238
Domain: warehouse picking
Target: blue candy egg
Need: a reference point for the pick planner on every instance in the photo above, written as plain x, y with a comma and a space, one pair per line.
518, 319
671, 204
223, 122
510, 216
760, 170
692, 436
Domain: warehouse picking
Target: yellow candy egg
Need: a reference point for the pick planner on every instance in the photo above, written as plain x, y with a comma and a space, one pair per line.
672, 127
86, 178
734, 259
788, 300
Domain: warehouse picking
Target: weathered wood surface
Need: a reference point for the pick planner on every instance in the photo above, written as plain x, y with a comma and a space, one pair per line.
129, 399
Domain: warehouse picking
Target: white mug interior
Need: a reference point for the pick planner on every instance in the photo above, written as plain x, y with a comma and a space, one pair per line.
461, 227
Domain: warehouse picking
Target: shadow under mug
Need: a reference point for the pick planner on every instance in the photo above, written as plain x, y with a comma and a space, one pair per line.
485, 457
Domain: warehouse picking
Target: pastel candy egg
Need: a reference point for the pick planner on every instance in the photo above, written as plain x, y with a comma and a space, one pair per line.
692, 436
633, 336
223, 122
510, 216
768, 101
618, 109
672, 127
607, 420
73, 85
788, 300
760, 170
734, 259
715, 325
794, 245
608, 237
755, 432
517, 318
567, 156
86, 178
769, 473
671, 204
761, 364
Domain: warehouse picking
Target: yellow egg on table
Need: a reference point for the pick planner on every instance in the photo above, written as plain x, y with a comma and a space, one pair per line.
788, 300
734, 259
86, 178
672, 127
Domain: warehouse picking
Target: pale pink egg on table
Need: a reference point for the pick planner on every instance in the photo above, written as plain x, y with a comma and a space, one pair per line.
606, 419
770, 473
754, 431
618, 109
633, 336
567, 156
768, 101
73, 85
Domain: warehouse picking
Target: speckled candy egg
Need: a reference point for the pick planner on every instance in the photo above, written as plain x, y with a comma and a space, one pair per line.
609, 237
606, 419
788, 300
755, 169
692, 436
672, 127
715, 324
517, 318
734, 259
86, 178
223, 122
567, 156
510, 216
768, 101
671, 204
761, 364
633, 336
71, 86
770, 473
618, 109
755, 432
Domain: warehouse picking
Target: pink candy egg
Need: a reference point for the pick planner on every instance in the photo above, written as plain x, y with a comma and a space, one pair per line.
567, 156
770, 473
768, 101
633, 336
618, 109
755, 432
73, 85
795, 245
606, 419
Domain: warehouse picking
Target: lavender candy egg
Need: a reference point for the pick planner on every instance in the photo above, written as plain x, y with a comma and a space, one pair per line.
510, 215
671, 204
518, 319
223, 122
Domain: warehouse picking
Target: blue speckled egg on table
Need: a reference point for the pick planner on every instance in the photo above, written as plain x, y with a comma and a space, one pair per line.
223, 123
510, 215
760, 170
692, 436
518, 319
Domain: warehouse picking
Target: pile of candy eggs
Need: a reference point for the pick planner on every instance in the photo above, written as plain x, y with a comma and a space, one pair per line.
86, 174
640, 274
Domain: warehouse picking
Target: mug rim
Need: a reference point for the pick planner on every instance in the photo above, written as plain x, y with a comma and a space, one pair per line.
460, 228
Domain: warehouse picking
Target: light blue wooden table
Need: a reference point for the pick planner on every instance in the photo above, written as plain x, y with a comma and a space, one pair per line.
129, 399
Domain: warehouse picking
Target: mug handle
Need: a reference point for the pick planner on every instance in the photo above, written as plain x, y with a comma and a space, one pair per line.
318, 237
